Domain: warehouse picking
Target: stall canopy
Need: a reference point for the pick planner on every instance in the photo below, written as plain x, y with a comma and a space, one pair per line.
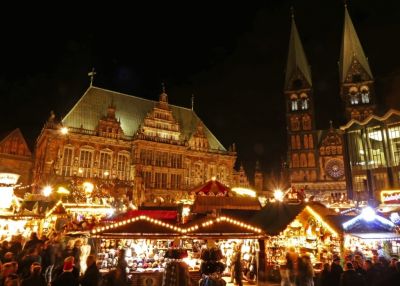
275, 217
138, 227
221, 227
208, 204
212, 188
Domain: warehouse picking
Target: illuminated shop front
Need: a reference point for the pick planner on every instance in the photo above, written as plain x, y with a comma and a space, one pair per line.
371, 234
373, 149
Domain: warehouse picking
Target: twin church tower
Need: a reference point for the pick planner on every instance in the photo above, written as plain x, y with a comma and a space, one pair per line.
315, 157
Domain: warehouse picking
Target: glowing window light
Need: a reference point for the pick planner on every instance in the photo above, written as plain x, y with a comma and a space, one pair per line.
244, 192
278, 195
47, 190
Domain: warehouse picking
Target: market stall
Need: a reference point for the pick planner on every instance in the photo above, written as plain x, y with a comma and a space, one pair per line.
371, 234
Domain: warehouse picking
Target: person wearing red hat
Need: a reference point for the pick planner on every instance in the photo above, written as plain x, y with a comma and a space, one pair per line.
67, 277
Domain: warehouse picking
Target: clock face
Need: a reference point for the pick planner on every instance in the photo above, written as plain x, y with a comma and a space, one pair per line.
335, 168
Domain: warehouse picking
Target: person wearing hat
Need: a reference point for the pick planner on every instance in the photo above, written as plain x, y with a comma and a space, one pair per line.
336, 271
67, 277
35, 278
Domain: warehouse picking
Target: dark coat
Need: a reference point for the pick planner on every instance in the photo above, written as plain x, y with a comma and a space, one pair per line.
351, 278
65, 279
336, 272
91, 277
34, 280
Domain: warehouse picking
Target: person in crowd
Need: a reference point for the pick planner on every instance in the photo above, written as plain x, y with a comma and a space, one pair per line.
6, 271
358, 267
237, 267
27, 261
5, 247
16, 244
76, 253
326, 278
12, 280
336, 271
350, 277
8, 257
91, 277
292, 262
36, 278
306, 271
371, 274
67, 277
33, 242
122, 264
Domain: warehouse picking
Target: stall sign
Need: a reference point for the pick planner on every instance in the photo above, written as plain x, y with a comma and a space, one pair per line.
8, 178
390, 197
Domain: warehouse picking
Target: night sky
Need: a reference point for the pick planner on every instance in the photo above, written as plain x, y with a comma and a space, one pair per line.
231, 56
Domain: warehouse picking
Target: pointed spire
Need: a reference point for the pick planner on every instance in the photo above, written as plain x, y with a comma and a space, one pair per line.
258, 167
351, 49
297, 61
192, 101
163, 95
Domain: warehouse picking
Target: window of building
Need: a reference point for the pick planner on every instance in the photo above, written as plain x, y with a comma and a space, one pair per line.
304, 101
311, 160
353, 95
294, 102
176, 160
105, 165
67, 161
294, 123
305, 139
147, 179
295, 159
306, 121
157, 180
364, 94
176, 181
303, 160
310, 142
85, 163
123, 167
298, 143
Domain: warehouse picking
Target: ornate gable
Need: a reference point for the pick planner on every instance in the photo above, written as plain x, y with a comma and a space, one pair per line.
199, 139
160, 122
14, 144
108, 125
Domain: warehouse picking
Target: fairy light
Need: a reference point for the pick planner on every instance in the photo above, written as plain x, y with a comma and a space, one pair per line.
324, 223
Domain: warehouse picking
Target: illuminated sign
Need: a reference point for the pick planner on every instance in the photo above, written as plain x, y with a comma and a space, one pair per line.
8, 178
390, 197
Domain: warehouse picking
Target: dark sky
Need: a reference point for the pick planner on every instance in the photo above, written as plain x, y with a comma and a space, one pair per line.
231, 56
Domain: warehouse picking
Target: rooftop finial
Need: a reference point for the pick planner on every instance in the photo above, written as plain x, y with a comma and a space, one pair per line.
192, 101
292, 12
163, 87
91, 75
331, 124
345, 3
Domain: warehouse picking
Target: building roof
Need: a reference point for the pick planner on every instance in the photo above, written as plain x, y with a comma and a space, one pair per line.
203, 204
351, 49
392, 113
131, 110
296, 61
212, 188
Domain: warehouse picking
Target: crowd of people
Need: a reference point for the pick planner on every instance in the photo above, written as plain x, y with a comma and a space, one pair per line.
45, 262
353, 270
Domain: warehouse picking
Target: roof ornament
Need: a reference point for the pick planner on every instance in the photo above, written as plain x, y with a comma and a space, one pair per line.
91, 74
331, 124
192, 101
292, 12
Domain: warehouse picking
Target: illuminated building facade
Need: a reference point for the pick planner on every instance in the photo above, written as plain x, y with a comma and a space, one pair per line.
15, 156
153, 149
373, 148
315, 157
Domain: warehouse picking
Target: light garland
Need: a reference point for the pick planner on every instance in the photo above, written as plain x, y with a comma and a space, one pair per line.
383, 220
142, 217
232, 221
324, 223
175, 228
53, 208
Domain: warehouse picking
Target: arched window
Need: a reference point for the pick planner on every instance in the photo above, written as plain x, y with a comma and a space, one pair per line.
295, 123
123, 166
293, 102
304, 101
105, 164
295, 160
305, 139
364, 94
353, 95
306, 121
86, 162
310, 141
298, 143
303, 160
67, 161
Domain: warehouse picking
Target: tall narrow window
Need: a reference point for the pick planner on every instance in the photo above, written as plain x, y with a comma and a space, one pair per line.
105, 165
67, 161
85, 163
123, 167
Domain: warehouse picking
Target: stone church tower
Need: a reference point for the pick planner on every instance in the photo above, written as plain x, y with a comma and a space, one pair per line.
300, 112
356, 80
